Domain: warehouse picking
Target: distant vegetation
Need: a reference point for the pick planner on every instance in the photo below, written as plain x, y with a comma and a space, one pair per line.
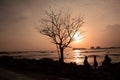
79, 48
98, 47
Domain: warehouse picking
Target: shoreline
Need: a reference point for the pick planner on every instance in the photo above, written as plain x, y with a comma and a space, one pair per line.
70, 56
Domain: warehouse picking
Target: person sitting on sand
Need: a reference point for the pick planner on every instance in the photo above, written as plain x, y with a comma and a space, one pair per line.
86, 64
95, 64
107, 60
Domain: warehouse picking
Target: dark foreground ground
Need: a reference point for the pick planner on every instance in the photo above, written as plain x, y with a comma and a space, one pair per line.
47, 69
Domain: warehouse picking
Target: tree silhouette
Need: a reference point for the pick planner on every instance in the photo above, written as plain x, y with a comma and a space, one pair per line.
61, 28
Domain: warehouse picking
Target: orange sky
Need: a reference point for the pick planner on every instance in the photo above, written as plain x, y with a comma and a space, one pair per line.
19, 17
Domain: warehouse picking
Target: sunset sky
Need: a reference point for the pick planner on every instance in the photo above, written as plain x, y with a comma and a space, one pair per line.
18, 19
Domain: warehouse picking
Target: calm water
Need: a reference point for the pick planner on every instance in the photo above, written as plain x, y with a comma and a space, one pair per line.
71, 55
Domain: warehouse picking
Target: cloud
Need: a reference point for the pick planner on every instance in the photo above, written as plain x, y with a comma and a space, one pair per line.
113, 31
12, 13
112, 34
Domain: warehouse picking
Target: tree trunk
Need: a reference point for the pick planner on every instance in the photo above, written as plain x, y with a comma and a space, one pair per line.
61, 55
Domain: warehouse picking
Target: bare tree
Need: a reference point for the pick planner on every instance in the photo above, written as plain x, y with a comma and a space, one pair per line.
61, 28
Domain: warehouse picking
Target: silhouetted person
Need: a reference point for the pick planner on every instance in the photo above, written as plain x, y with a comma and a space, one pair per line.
86, 64
107, 60
95, 64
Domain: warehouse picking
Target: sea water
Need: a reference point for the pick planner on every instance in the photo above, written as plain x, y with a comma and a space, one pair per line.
76, 56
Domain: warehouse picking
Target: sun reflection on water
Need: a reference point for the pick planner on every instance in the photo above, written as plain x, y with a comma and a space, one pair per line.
78, 57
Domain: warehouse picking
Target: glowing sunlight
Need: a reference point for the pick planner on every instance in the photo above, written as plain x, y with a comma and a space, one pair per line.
77, 37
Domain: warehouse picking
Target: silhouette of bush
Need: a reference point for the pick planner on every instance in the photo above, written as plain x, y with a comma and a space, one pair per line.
70, 70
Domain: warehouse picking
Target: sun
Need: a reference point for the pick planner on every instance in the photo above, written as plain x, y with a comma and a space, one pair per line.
77, 36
